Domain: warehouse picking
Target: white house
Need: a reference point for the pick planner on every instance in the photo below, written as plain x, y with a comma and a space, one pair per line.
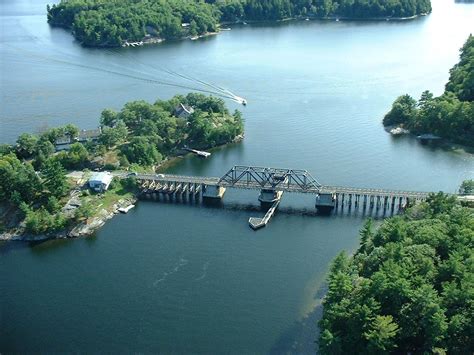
100, 181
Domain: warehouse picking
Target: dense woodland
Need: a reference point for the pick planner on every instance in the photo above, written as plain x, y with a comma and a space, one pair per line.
409, 288
450, 115
33, 173
111, 23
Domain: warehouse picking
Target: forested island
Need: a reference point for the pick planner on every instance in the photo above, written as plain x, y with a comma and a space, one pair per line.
409, 288
99, 23
450, 115
37, 196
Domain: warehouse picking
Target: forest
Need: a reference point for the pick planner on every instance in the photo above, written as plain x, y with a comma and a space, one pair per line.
409, 288
100, 23
450, 115
33, 173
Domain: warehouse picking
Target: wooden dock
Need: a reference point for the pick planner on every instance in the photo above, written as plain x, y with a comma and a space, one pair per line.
199, 153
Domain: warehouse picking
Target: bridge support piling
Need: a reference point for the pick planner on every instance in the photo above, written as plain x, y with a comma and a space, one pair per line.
214, 192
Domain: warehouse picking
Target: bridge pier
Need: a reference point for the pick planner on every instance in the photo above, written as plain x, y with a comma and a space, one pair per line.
213, 192
326, 202
268, 196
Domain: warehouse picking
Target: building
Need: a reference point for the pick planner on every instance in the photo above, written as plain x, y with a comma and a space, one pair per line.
183, 111
86, 135
100, 181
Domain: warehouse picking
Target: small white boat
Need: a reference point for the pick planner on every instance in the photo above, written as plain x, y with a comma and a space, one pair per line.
240, 100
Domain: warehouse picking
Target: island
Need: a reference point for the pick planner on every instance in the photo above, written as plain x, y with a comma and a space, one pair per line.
449, 116
39, 199
118, 23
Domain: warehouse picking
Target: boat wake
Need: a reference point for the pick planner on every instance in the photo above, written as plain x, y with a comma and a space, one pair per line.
182, 262
132, 68
204, 271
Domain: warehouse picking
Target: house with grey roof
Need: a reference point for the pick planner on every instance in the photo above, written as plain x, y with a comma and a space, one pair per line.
183, 111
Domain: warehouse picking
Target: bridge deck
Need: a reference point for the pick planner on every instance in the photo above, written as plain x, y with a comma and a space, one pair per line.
286, 187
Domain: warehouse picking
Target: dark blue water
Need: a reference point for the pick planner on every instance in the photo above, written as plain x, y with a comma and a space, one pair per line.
178, 278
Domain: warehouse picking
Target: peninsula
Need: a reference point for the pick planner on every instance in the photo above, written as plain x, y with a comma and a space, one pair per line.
450, 115
39, 198
98, 23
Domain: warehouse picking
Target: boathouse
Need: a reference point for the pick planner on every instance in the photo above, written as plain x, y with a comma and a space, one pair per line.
100, 182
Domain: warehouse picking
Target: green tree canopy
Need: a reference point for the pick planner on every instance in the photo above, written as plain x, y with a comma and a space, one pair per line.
450, 115
409, 287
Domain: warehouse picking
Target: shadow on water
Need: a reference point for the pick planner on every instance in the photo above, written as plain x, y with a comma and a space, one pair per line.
40, 247
302, 337
352, 212
440, 145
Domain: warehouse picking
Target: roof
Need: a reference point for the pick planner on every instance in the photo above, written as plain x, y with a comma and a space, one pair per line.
101, 177
89, 134
183, 108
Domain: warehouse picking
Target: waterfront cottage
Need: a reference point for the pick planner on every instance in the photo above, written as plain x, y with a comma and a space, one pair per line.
86, 135
183, 111
100, 181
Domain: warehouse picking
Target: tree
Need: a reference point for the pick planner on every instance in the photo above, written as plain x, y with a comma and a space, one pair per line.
54, 178
18, 181
366, 235
141, 151
403, 110
111, 136
467, 187
71, 131
411, 291
53, 205
108, 118
25, 145
381, 336
84, 211
450, 115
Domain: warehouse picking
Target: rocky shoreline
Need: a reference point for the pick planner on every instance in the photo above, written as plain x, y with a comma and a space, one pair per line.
83, 229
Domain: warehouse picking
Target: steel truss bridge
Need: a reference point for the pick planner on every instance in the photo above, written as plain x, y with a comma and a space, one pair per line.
277, 179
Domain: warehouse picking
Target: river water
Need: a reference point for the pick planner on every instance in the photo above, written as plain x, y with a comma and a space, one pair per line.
179, 278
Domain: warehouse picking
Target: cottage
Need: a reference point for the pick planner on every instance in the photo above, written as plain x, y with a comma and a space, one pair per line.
86, 135
100, 181
183, 111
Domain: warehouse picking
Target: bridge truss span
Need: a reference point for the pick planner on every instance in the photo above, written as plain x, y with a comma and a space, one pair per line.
252, 177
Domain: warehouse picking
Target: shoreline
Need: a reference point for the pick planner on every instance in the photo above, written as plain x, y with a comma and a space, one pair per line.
157, 40
93, 224
82, 229
398, 131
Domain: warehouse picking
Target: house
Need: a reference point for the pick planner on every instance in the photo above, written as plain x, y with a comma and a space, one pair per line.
183, 111
86, 135
100, 181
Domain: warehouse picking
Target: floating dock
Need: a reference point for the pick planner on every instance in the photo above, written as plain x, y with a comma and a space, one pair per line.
257, 223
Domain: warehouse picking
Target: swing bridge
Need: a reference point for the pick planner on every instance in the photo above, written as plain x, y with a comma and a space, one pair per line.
272, 183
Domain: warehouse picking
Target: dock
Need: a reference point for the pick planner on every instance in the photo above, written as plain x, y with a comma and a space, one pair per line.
125, 209
257, 223
199, 153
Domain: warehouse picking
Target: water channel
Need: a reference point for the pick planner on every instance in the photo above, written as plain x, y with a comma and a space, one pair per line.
179, 278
